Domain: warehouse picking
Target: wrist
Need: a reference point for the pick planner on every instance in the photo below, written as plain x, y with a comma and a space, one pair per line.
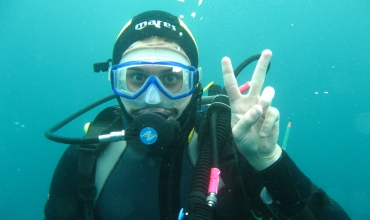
287, 185
263, 161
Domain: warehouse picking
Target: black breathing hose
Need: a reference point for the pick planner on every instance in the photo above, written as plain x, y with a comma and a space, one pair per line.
214, 118
83, 140
198, 209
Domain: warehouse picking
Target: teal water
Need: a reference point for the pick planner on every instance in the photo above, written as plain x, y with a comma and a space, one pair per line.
320, 71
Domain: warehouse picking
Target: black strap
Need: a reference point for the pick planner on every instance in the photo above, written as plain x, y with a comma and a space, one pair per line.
233, 202
86, 189
106, 121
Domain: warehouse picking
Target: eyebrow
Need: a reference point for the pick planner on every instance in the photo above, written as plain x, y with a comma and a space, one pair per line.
165, 69
135, 68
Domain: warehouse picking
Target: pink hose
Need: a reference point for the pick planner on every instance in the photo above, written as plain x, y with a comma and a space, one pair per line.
214, 180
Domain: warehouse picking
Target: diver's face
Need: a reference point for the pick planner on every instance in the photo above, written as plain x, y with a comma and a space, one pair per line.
153, 100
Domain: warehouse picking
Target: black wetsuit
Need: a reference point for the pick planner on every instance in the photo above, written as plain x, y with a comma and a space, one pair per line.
131, 191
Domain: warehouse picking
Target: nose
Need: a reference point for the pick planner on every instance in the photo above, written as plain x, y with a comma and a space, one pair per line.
152, 95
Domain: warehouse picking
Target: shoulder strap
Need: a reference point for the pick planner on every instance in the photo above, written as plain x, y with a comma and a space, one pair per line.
106, 121
106, 161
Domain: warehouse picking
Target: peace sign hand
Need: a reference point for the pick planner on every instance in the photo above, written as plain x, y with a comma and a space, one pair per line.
254, 123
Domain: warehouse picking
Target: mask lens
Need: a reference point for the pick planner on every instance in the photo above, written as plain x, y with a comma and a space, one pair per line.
171, 78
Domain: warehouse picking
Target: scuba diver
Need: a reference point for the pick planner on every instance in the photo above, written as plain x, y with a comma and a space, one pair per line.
166, 152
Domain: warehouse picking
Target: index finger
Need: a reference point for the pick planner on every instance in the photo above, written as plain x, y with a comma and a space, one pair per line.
259, 74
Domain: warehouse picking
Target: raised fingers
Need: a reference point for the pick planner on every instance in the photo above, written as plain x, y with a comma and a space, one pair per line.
230, 83
258, 77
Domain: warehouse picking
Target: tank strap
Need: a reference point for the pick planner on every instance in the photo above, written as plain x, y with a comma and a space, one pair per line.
106, 162
106, 121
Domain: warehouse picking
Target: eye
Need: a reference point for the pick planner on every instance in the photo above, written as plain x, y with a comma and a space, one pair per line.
172, 82
170, 78
138, 77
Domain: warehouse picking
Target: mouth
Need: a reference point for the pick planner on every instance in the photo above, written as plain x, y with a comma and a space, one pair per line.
170, 114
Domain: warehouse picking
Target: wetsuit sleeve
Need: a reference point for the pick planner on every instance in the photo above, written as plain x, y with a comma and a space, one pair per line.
63, 202
294, 196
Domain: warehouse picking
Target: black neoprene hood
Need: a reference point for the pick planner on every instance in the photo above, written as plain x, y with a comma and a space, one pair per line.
160, 24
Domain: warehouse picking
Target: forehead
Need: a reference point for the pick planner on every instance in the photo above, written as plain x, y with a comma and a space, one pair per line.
154, 42
155, 49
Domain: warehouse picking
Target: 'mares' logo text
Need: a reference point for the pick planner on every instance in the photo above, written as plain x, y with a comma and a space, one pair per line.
156, 23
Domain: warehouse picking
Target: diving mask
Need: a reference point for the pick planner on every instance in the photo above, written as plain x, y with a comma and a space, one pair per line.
173, 79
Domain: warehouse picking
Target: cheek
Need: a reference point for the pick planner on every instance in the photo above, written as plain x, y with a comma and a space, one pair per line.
131, 88
127, 104
183, 103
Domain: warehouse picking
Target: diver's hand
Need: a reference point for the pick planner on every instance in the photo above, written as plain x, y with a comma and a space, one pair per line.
254, 123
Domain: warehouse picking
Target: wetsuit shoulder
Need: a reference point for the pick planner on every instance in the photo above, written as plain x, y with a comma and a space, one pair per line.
63, 201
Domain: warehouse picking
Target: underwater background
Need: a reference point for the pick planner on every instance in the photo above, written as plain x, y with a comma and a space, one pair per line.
320, 70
